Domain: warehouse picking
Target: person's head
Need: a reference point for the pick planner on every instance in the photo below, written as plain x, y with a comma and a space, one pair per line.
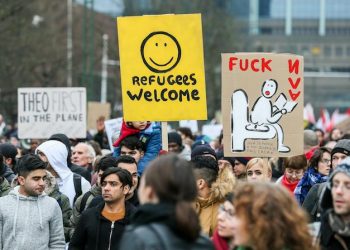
294, 167
206, 172
320, 135
170, 179
335, 134
225, 162
132, 146
83, 154
31, 175
129, 163
116, 184
203, 150
9, 153
225, 218
65, 140
340, 189
239, 169
103, 164
268, 217
310, 140
186, 133
340, 151
140, 125
321, 160
258, 170
175, 143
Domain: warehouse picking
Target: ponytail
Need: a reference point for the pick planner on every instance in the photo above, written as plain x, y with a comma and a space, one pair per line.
187, 221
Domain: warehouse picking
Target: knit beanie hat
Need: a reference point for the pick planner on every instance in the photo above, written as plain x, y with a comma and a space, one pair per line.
202, 150
220, 156
342, 146
243, 160
174, 137
343, 167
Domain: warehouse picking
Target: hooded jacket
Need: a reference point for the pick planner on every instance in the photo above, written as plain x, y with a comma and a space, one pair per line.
30, 221
56, 153
207, 209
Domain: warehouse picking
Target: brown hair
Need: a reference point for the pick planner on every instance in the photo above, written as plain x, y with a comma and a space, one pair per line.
272, 217
295, 162
317, 156
173, 181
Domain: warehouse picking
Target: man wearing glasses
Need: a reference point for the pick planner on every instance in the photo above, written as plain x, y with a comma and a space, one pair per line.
101, 227
335, 221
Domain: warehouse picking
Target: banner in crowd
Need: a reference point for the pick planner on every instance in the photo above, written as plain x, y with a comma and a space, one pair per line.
43, 112
262, 104
96, 110
162, 67
113, 128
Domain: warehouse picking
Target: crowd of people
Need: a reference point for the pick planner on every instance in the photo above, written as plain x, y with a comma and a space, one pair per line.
63, 193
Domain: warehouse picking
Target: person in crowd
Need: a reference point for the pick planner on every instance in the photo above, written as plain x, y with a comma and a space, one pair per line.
311, 143
101, 227
320, 136
101, 136
9, 153
311, 203
84, 200
186, 135
267, 217
317, 172
83, 155
29, 218
294, 168
166, 218
240, 168
213, 185
223, 161
223, 235
149, 133
276, 164
335, 221
335, 135
203, 150
258, 169
75, 168
4, 184
55, 154
176, 146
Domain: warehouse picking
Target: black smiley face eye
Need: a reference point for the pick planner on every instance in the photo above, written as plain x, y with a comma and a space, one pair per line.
157, 44
165, 44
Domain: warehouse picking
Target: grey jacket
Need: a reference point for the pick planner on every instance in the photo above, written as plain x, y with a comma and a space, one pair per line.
30, 222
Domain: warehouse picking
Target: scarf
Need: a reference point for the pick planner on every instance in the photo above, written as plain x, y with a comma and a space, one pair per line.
338, 225
219, 242
310, 178
290, 185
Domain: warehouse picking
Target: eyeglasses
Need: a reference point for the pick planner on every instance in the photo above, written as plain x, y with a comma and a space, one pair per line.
228, 212
326, 161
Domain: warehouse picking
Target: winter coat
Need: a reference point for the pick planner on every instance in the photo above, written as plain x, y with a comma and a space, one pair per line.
95, 232
153, 227
77, 210
4, 187
150, 137
34, 222
8, 173
56, 153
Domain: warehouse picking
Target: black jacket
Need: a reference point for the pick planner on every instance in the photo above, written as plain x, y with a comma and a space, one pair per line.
154, 228
95, 232
329, 240
81, 171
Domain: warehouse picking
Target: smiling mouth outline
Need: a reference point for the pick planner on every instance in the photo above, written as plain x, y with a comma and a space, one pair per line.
162, 65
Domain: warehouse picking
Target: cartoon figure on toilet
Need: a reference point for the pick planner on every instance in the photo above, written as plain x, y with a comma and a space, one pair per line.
262, 122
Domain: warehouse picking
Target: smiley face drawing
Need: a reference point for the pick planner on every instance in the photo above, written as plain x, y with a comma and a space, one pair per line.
160, 51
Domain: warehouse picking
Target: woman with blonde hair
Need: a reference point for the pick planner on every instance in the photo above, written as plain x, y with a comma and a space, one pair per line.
258, 169
268, 218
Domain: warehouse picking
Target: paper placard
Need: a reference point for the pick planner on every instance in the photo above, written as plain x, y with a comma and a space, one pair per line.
162, 67
43, 112
95, 110
113, 128
213, 131
262, 104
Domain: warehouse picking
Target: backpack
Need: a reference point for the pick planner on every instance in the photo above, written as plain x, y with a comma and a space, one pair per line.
84, 201
77, 186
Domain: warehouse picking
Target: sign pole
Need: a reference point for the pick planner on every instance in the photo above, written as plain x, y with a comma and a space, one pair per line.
165, 136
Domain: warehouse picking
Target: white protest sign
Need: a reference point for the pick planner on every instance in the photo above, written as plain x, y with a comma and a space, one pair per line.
213, 131
191, 124
113, 128
43, 112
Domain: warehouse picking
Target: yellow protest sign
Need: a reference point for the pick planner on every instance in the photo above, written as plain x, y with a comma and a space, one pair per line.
162, 67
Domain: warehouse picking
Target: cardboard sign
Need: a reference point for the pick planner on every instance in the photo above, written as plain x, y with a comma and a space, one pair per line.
113, 128
262, 104
95, 110
43, 112
162, 68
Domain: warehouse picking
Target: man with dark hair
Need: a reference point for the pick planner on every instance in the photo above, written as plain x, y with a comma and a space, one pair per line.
28, 217
101, 227
132, 146
9, 153
335, 221
176, 146
211, 192
84, 200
